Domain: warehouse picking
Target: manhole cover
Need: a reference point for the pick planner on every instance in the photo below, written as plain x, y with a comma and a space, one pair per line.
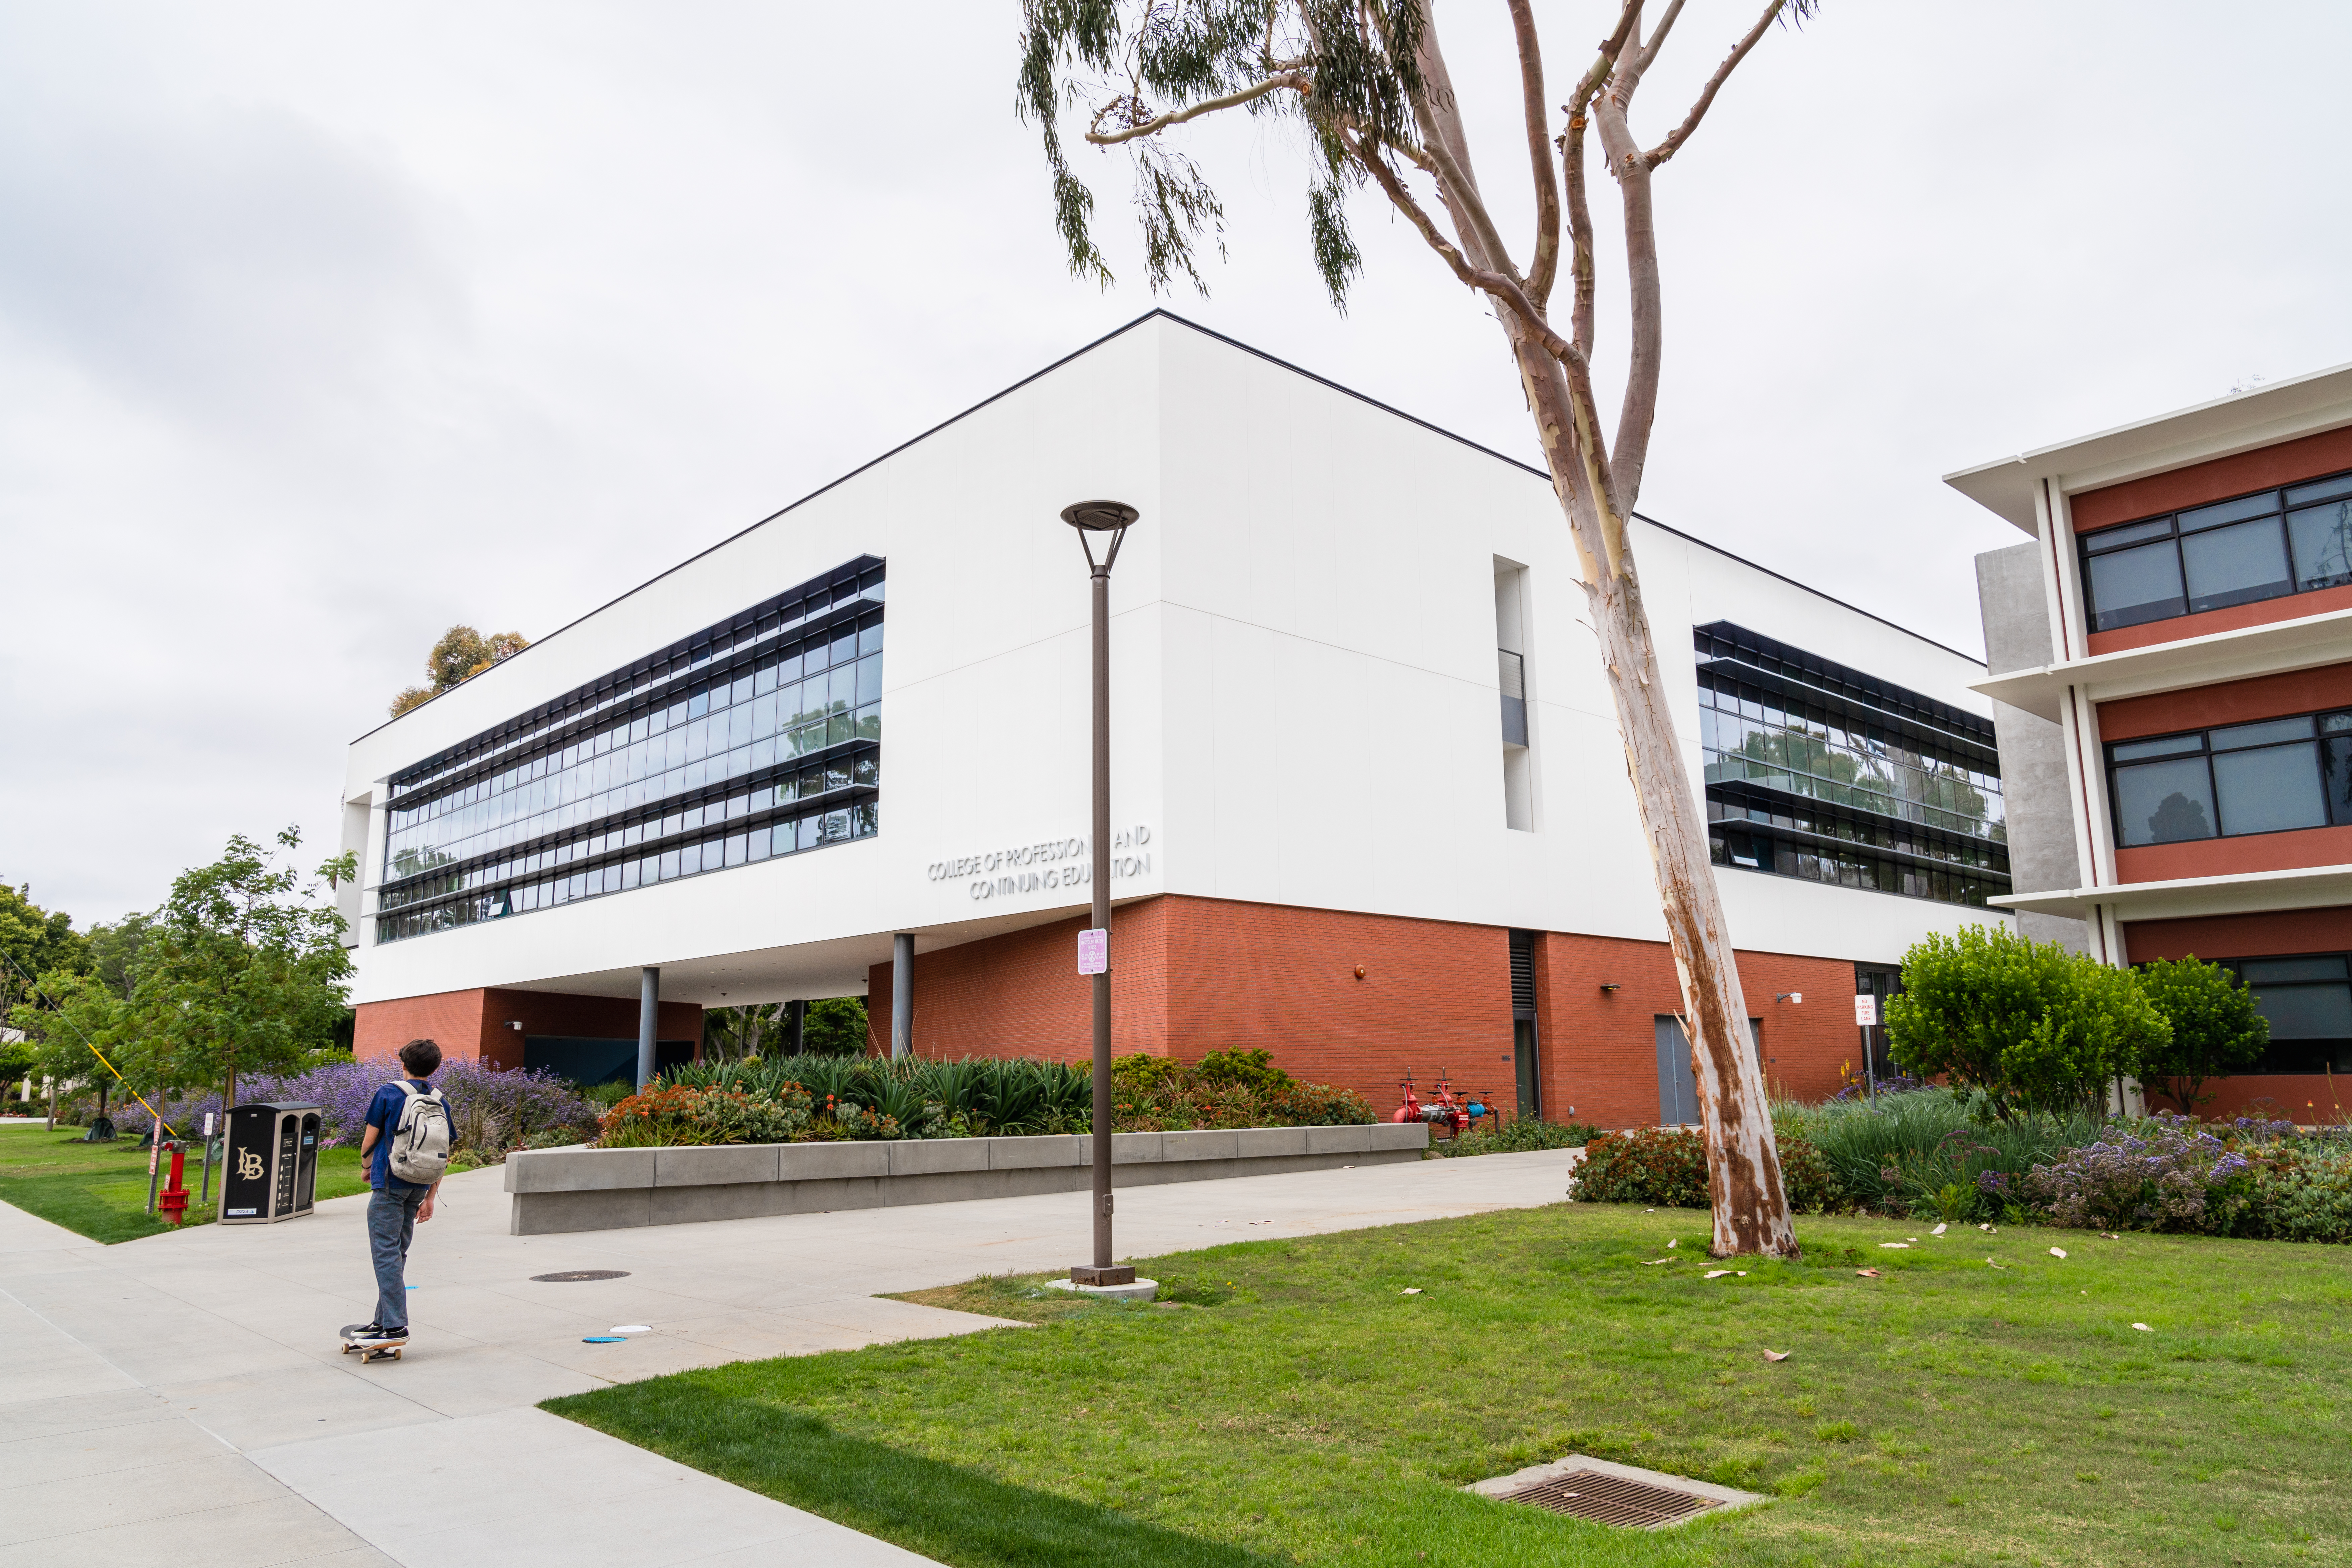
569, 1274
1611, 1499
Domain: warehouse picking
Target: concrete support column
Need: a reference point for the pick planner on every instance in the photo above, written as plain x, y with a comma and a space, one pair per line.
649, 1022
902, 996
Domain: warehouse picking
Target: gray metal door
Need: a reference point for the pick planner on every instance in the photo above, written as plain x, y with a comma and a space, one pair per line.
1677, 1091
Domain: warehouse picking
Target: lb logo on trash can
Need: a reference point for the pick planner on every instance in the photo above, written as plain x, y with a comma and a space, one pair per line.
248, 1166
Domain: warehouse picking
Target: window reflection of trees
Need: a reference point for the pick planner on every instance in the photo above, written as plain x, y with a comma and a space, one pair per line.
1847, 769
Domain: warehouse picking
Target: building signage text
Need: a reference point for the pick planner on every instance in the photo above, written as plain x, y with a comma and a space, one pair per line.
1044, 866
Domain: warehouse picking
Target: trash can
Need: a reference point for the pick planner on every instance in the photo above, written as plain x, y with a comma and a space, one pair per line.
270, 1167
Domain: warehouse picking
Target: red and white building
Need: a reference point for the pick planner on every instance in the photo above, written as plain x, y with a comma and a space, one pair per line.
2171, 666
1371, 804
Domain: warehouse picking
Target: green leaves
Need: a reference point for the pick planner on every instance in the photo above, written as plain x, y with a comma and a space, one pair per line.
2216, 1028
2033, 1025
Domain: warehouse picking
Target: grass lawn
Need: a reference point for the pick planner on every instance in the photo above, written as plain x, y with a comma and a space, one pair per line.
100, 1190
1294, 1406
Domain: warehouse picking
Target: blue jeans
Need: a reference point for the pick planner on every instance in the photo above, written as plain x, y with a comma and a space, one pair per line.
392, 1220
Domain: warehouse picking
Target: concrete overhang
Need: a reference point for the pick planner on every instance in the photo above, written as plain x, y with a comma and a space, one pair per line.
2245, 893
2273, 648
2279, 411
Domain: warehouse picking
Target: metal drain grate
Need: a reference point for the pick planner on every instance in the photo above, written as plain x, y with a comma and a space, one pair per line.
1611, 1499
569, 1276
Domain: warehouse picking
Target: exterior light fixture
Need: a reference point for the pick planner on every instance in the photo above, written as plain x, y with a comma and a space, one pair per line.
1092, 518
1795, 998
1611, 986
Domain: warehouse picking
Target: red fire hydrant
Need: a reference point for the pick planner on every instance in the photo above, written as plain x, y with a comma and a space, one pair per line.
173, 1201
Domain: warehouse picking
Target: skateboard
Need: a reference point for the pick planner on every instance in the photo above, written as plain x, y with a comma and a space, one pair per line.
389, 1351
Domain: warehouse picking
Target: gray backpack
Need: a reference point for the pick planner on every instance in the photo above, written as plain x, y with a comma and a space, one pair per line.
420, 1143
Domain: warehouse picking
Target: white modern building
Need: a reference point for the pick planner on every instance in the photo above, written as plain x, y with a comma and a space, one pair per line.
1372, 811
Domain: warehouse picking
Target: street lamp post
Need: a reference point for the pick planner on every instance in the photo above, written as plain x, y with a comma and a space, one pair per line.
1091, 518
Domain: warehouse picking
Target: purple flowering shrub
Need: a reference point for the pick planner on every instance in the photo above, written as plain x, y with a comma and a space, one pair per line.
490, 1110
2176, 1176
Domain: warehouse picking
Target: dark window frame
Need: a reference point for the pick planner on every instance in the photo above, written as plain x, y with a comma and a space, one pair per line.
2117, 537
2339, 811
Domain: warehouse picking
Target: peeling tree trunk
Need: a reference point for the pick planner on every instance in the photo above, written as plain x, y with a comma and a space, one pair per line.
1744, 1185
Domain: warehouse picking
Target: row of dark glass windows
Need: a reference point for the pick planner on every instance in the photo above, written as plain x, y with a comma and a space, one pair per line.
1978, 855
1735, 644
857, 770
1857, 869
658, 752
1802, 762
2262, 546
2265, 777
817, 829
2308, 1001
786, 622
1758, 705
804, 673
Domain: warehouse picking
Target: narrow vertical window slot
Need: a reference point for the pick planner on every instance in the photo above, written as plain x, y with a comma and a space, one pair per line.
1511, 681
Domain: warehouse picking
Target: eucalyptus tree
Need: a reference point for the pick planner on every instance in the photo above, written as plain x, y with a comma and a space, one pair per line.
1370, 83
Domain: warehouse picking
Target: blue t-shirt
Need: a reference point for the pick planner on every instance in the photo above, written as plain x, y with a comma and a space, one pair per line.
383, 1115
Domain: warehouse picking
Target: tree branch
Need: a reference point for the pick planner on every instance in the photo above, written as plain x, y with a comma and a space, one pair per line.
1297, 80
1531, 90
1657, 39
1580, 234
1682, 134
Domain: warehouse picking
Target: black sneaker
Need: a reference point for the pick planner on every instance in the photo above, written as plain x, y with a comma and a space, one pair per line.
377, 1334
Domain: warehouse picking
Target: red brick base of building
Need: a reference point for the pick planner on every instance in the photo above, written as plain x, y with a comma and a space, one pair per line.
479, 1025
1361, 1001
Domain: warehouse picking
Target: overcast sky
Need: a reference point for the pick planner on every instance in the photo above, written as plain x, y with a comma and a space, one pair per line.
323, 326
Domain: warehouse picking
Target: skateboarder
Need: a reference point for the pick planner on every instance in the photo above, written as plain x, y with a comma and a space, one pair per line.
406, 1147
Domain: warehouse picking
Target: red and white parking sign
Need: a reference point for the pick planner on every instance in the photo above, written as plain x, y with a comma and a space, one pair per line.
1093, 951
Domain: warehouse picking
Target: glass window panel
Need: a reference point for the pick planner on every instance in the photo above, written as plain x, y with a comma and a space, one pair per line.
868, 817
739, 726
761, 838
2273, 971
869, 638
812, 657
867, 770
2134, 585
2107, 539
698, 703
2318, 488
741, 690
2220, 512
2236, 565
836, 773
836, 824
764, 753
2270, 790
2164, 803
845, 645
2335, 765
738, 848
2323, 545
869, 679
838, 728
806, 831
2269, 731
843, 693
2307, 1012
869, 722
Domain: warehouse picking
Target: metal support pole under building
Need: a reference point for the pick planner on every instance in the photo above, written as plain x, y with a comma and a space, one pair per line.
1091, 518
649, 1022
902, 996
795, 1027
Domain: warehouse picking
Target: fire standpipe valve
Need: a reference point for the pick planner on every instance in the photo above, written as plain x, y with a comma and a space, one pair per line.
173, 1199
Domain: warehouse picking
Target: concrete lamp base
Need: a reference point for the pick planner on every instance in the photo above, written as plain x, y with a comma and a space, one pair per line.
1129, 1289
1105, 1274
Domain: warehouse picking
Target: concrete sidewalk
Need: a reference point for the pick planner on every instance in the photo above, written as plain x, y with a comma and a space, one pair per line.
185, 1394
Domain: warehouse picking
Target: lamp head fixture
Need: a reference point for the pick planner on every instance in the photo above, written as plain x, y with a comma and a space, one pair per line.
1092, 517
1610, 986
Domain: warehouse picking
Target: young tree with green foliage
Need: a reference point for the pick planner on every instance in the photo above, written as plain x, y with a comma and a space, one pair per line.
837, 1026
1370, 85
2215, 1028
242, 969
33, 942
2031, 1025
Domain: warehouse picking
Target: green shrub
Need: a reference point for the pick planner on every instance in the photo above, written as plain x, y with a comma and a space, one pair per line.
1925, 1151
1519, 1135
670, 1115
1252, 1069
2029, 1024
2215, 1028
1665, 1167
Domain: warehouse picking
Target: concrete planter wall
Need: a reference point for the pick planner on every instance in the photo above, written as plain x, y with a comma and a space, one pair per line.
610, 1189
